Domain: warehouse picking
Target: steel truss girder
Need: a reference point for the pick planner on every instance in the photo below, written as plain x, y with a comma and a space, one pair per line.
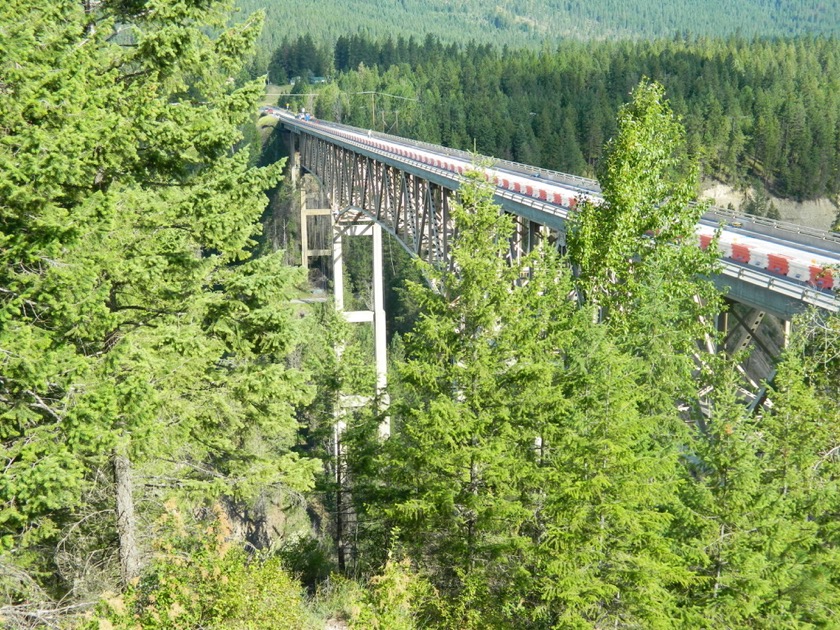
412, 208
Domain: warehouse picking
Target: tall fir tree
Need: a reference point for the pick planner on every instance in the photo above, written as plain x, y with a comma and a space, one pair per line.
476, 374
609, 478
760, 504
135, 330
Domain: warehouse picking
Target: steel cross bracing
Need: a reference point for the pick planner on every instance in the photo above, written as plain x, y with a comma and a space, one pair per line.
412, 208
412, 204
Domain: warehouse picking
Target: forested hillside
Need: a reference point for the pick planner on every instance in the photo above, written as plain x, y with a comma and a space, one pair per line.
532, 22
175, 442
553, 468
753, 109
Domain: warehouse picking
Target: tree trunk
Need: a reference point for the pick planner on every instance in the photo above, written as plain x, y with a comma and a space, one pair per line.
126, 522
339, 517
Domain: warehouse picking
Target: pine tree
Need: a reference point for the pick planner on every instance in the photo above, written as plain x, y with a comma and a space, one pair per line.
761, 502
605, 555
473, 387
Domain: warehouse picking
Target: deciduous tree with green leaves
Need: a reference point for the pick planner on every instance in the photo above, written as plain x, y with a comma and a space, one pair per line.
636, 253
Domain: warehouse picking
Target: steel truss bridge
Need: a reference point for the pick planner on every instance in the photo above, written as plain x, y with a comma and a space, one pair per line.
405, 187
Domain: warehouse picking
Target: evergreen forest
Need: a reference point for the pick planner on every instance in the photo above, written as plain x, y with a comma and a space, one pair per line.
531, 23
567, 448
765, 111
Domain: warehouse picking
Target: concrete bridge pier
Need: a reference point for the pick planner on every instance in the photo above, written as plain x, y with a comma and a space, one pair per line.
360, 225
342, 226
307, 251
357, 226
293, 163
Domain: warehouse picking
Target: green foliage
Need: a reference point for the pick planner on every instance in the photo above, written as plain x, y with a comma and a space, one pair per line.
760, 204
132, 315
610, 490
396, 597
644, 205
307, 558
759, 502
635, 506
453, 463
535, 22
198, 579
392, 600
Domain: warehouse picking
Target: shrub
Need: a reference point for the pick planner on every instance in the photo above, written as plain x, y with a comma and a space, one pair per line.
204, 582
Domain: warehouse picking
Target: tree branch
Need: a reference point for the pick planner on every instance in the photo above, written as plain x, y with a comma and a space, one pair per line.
40, 404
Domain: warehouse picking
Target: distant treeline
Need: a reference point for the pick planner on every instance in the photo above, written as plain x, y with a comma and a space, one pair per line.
530, 23
753, 109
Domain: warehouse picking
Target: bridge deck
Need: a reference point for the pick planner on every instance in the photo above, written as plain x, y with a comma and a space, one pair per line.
547, 197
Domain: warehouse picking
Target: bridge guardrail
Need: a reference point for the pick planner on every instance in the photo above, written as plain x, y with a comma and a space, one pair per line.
592, 186
776, 224
589, 185
796, 291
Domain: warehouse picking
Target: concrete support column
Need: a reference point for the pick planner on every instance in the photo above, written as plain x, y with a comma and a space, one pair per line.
294, 159
305, 252
304, 230
338, 462
338, 269
379, 309
380, 344
376, 316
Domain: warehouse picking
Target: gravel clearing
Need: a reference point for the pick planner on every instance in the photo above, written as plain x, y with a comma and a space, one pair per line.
819, 213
